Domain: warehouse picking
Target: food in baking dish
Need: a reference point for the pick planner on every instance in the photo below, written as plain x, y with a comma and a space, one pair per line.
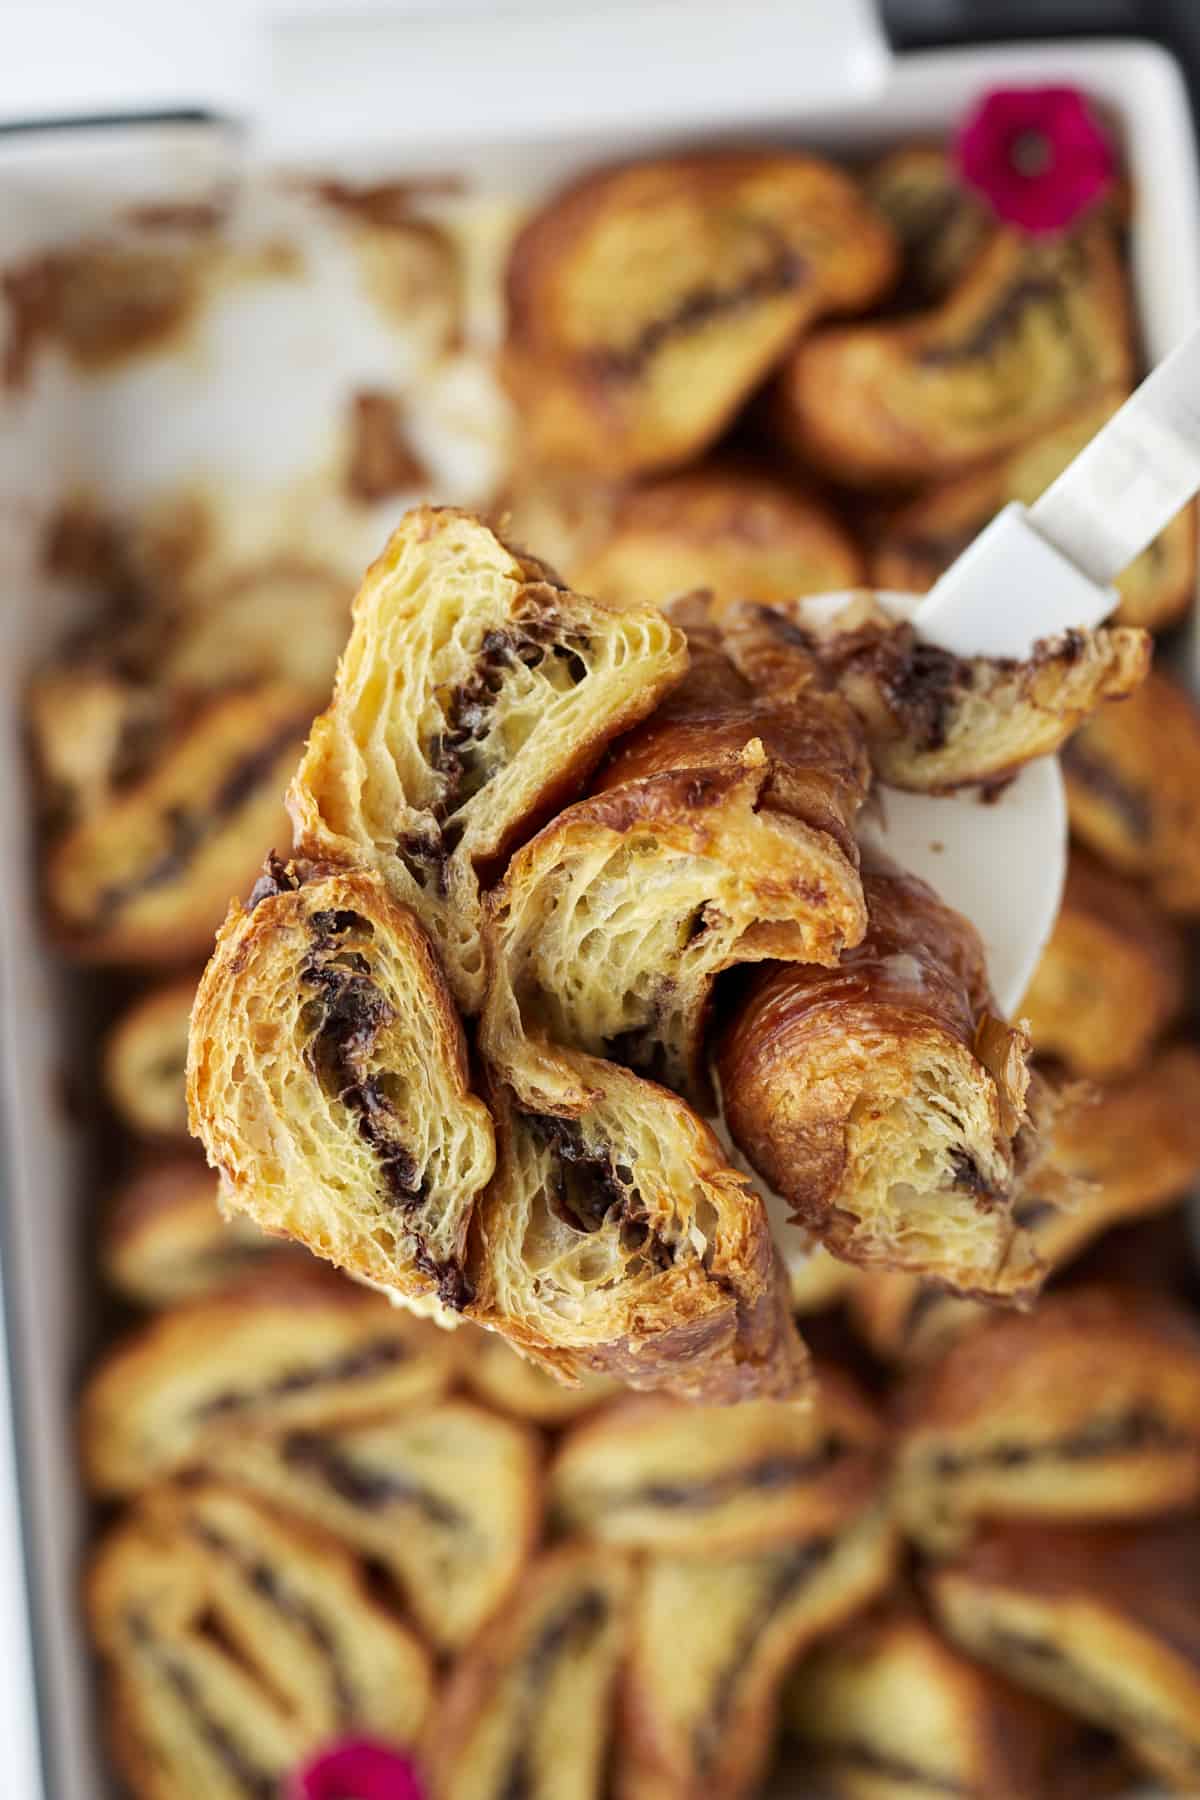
164, 1239
143, 1060
941, 224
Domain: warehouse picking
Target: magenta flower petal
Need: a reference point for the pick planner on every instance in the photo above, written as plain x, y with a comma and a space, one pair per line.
356, 1769
1037, 155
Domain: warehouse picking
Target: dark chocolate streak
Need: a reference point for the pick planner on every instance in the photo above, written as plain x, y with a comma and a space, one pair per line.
243, 1771
921, 687
895, 1768
574, 1626
786, 270
590, 1189
1001, 321
368, 1489
969, 1178
367, 1359
266, 1581
275, 879
769, 1472
188, 829
1138, 1429
1101, 779
791, 1570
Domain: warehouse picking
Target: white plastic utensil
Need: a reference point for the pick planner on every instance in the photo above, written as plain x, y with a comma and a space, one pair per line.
1033, 573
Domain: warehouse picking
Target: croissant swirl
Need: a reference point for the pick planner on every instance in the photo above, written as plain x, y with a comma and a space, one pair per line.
620, 1241
474, 695
883, 1098
328, 1081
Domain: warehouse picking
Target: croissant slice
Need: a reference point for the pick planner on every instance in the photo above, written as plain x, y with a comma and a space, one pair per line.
474, 696
884, 1099
164, 1239
328, 1082
1104, 1621
891, 1711
935, 722
445, 1498
293, 1350
1088, 1408
940, 223
143, 1061
621, 1242
144, 877
528, 1708
713, 1639
510, 1383
687, 1479
648, 300
1033, 329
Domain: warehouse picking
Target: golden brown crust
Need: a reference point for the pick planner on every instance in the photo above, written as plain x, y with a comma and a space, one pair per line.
647, 300
528, 1706
143, 1061
1033, 329
883, 1099
164, 1238
328, 1081
737, 530
1110, 981
473, 698
504, 1379
1087, 1408
622, 1243
144, 877
1133, 789
920, 539
933, 721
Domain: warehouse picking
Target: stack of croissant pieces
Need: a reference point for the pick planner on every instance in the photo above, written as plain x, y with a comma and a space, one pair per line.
461, 1041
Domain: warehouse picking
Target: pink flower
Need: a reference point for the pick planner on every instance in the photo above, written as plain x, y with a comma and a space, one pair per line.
1037, 155
356, 1769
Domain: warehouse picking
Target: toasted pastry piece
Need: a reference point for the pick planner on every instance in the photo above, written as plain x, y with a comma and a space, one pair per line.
1133, 790
611, 926
328, 1081
283, 619
941, 224
934, 721
474, 696
648, 300
883, 1099
710, 1480
89, 724
444, 1497
1104, 1620
509, 1382
143, 1061
144, 877
741, 532
233, 1634
893, 1712
713, 1638
1129, 1154
528, 1708
1087, 1408
560, 515
920, 539
622, 1243
1110, 981
1034, 328
292, 1352
165, 1240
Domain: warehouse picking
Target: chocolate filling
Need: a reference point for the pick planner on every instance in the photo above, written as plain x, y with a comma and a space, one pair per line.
367, 1359
1100, 778
266, 1581
792, 1570
969, 1179
1137, 1429
920, 685
573, 1627
589, 1189
254, 1781
275, 879
786, 269
768, 1473
368, 1489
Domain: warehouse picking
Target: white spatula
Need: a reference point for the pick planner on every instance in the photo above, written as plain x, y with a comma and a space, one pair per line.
1033, 573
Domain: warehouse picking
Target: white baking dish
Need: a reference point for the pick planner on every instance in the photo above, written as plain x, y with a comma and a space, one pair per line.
54, 185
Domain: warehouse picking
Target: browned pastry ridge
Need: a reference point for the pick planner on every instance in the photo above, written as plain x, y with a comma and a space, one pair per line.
920, 539
935, 722
1034, 328
885, 1099
621, 1242
512, 1384
528, 1707
1111, 979
1087, 1408
648, 300
474, 696
143, 1060
723, 833
1133, 789
1104, 1621
164, 1239
328, 1081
